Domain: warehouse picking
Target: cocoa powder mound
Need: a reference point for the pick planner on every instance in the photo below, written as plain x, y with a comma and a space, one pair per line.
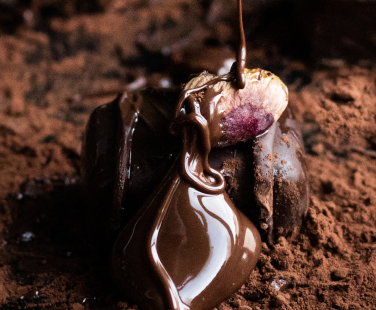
45, 262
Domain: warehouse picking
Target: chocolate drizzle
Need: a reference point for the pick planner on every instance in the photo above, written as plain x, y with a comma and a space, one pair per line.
199, 160
241, 53
188, 92
185, 249
195, 168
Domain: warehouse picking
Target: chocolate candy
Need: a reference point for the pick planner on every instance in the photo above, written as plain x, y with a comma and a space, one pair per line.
132, 164
185, 243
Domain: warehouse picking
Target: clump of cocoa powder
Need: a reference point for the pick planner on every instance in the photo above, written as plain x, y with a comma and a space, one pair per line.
229, 169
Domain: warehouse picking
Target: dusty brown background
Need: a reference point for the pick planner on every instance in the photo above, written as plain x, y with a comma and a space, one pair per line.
50, 51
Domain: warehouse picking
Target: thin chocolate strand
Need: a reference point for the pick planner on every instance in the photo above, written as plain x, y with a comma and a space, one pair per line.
241, 54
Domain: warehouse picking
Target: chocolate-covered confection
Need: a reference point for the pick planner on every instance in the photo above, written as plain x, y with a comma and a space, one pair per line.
180, 242
145, 151
188, 247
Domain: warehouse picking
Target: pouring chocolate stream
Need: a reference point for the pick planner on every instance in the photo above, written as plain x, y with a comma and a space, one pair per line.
241, 53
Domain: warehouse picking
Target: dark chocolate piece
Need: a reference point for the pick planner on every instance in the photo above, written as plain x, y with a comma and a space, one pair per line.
116, 135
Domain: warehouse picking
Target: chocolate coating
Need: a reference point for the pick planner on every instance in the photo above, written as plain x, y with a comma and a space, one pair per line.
185, 246
98, 168
188, 247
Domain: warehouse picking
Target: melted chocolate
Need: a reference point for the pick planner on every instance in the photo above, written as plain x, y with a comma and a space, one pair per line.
199, 248
241, 54
207, 106
163, 259
195, 168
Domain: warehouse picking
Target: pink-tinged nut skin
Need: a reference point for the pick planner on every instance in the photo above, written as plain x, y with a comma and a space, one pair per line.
244, 123
238, 115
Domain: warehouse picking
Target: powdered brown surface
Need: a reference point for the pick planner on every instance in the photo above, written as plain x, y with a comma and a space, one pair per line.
44, 262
